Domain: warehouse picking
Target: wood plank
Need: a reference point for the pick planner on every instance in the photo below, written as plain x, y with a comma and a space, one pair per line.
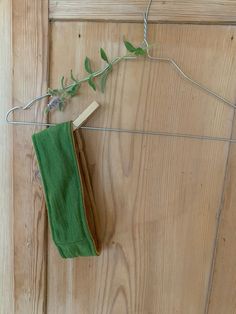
157, 197
6, 140
222, 298
30, 31
207, 11
151, 95
157, 200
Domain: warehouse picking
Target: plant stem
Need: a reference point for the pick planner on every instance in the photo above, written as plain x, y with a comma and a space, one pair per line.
62, 95
100, 72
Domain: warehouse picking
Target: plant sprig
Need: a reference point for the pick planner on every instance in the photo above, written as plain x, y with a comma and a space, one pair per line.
60, 96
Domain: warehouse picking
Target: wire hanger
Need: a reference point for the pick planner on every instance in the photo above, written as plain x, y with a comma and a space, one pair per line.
172, 62
152, 58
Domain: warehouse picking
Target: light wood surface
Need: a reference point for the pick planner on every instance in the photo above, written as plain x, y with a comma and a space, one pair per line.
157, 197
151, 95
6, 164
222, 296
158, 219
210, 11
166, 205
223, 292
30, 26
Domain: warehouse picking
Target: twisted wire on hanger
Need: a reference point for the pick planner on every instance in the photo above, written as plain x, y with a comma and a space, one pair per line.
142, 132
172, 62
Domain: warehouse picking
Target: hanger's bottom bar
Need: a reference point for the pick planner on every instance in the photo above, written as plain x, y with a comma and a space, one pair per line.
181, 135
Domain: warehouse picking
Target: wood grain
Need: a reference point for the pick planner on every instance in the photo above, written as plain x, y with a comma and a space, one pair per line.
158, 197
157, 201
6, 140
30, 31
151, 95
222, 298
216, 11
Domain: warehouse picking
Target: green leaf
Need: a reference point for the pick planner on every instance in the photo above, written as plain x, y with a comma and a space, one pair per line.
52, 92
140, 51
87, 65
47, 110
91, 82
72, 76
129, 46
103, 80
73, 90
62, 83
61, 104
137, 51
103, 55
60, 107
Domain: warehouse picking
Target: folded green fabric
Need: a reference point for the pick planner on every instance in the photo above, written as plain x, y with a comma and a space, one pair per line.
68, 198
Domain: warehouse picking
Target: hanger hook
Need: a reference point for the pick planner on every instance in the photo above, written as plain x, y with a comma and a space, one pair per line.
27, 106
145, 25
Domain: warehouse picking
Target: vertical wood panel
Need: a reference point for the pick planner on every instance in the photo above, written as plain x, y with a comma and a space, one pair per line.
151, 95
158, 198
30, 35
6, 149
223, 292
158, 220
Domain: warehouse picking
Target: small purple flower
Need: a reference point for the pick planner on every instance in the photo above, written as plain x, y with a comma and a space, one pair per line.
55, 102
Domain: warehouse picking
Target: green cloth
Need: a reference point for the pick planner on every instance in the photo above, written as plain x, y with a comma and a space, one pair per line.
64, 191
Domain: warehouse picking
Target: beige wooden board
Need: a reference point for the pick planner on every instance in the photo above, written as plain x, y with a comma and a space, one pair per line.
158, 197
30, 26
6, 139
213, 11
157, 200
151, 95
222, 297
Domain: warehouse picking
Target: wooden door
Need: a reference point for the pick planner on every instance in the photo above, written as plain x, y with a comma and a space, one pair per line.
166, 203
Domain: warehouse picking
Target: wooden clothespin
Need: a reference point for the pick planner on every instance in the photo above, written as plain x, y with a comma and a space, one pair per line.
85, 115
